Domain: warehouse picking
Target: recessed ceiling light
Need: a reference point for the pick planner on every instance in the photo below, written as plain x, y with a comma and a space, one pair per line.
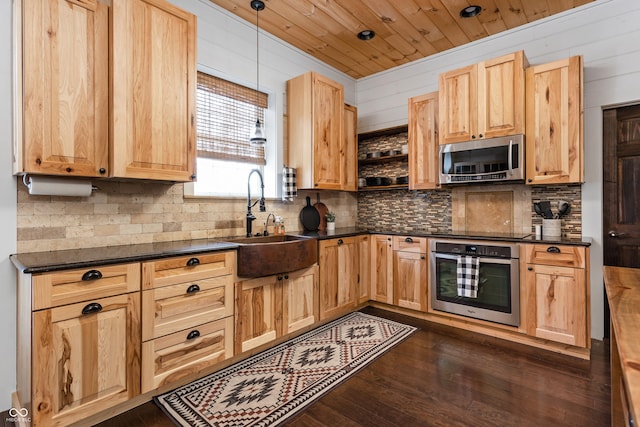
470, 11
366, 34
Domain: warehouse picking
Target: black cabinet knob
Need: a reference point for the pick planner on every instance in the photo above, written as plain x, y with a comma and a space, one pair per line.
92, 275
192, 289
408, 240
192, 262
91, 308
193, 334
553, 250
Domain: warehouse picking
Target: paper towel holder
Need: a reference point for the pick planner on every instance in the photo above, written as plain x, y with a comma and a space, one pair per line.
58, 186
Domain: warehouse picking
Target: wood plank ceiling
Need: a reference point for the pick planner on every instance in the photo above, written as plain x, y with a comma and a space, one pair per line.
406, 30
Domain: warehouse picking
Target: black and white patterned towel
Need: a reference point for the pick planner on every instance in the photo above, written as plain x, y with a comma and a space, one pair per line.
468, 270
289, 189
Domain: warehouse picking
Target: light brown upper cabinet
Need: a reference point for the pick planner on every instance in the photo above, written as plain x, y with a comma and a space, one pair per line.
317, 143
483, 100
64, 88
555, 122
423, 142
350, 151
153, 91
106, 91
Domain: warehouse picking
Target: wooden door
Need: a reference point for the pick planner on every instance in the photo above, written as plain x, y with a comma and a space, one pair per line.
410, 280
364, 268
554, 122
560, 300
300, 299
258, 312
381, 269
458, 105
338, 276
621, 195
328, 116
501, 106
65, 88
423, 142
349, 153
153, 91
85, 363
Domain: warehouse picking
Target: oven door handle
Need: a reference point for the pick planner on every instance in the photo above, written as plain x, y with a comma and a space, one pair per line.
483, 260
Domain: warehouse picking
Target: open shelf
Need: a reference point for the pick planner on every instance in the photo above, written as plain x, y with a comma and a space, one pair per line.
383, 187
382, 159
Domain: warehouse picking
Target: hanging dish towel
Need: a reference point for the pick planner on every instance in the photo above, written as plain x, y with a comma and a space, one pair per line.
468, 270
289, 189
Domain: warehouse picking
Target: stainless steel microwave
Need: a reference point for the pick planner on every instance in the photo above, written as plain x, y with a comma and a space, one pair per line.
483, 160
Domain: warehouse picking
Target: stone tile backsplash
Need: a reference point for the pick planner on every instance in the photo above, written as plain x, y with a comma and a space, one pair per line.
122, 213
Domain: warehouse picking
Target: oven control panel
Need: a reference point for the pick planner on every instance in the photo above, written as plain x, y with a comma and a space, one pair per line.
473, 249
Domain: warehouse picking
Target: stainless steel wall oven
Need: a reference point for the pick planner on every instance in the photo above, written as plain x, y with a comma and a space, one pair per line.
498, 282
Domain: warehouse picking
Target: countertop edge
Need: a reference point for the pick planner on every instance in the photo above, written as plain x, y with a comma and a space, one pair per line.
44, 262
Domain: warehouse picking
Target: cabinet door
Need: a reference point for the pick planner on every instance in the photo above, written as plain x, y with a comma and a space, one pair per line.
458, 104
153, 91
381, 269
349, 153
65, 84
559, 297
84, 363
258, 312
555, 122
410, 280
423, 142
501, 106
300, 299
364, 268
338, 276
328, 116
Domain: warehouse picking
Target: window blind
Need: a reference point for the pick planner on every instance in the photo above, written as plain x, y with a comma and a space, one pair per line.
227, 113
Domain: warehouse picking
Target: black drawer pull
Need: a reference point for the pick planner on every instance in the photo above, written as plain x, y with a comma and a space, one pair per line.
408, 240
553, 250
286, 276
192, 262
340, 241
93, 307
192, 289
92, 275
193, 334
279, 277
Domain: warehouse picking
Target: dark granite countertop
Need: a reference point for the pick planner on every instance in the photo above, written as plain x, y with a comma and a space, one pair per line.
42, 262
523, 238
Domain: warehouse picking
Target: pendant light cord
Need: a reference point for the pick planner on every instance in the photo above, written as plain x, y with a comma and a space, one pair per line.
257, 62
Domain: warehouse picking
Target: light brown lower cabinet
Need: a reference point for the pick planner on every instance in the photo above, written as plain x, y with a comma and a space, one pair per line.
270, 307
556, 294
364, 268
339, 270
187, 316
81, 357
381, 269
410, 272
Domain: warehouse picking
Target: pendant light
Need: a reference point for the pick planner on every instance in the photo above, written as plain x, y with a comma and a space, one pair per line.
257, 136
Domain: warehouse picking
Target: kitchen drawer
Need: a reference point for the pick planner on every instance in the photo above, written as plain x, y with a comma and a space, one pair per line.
72, 286
410, 244
559, 255
176, 307
172, 357
169, 271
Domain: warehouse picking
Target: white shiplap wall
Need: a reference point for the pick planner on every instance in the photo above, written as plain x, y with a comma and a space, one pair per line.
605, 33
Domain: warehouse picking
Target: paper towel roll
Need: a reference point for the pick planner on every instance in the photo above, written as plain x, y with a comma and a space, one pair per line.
52, 186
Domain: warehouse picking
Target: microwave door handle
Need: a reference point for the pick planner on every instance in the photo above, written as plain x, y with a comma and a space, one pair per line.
510, 161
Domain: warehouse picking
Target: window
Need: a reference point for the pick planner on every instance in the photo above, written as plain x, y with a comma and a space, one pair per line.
226, 113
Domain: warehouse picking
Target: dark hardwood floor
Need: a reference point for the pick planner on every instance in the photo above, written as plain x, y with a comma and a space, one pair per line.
442, 376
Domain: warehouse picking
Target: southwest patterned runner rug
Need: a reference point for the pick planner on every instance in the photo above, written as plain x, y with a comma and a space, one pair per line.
272, 386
